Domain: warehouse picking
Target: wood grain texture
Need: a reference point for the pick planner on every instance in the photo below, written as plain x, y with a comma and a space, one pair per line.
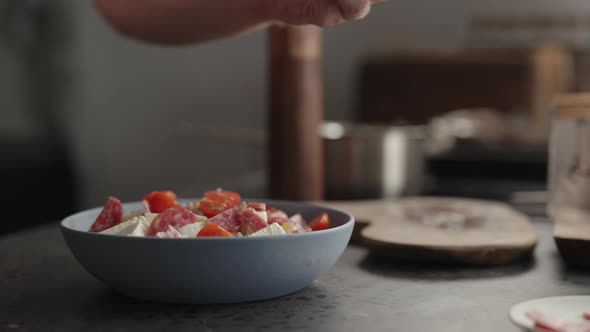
432, 230
393, 83
295, 113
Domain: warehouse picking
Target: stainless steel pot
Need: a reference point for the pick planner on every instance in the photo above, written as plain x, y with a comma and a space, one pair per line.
361, 161
369, 161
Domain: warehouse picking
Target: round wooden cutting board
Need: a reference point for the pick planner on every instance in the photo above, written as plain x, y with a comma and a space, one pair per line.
444, 230
364, 212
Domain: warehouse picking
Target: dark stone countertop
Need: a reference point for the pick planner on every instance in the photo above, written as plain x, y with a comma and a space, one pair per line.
42, 288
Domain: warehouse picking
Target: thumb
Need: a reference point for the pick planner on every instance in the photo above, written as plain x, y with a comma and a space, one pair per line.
354, 9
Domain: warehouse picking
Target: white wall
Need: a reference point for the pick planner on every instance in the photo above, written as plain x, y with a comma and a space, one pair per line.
132, 96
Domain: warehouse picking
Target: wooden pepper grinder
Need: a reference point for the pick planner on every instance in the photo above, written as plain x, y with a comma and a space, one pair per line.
295, 113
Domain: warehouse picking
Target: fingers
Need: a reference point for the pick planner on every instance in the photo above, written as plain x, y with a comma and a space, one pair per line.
323, 13
354, 9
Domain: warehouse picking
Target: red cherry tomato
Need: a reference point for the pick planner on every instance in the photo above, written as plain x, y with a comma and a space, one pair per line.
215, 202
230, 197
320, 222
212, 208
213, 230
159, 201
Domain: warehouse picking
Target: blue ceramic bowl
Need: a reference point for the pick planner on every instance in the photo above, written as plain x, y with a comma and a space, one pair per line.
209, 270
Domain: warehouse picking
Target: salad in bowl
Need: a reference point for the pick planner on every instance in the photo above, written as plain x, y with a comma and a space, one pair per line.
219, 213
219, 248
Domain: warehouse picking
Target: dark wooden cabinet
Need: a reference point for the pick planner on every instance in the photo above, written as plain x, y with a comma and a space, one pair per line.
413, 86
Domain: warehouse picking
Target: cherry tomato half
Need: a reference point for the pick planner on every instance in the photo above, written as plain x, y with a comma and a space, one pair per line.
215, 202
159, 201
320, 222
229, 197
213, 230
212, 208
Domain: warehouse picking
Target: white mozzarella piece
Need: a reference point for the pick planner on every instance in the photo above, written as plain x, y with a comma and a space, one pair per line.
200, 218
297, 219
272, 229
140, 230
122, 228
191, 230
150, 217
143, 221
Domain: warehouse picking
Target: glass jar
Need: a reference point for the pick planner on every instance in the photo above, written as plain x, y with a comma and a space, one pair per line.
569, 156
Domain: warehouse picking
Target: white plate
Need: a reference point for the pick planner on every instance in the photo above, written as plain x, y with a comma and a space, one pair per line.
566, 308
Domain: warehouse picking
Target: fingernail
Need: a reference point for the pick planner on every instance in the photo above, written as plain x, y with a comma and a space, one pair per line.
354, 9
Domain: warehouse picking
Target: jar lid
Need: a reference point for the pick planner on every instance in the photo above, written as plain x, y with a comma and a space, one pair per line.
573, 105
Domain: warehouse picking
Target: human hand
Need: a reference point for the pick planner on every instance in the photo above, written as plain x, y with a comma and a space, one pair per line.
179, 22
322, 13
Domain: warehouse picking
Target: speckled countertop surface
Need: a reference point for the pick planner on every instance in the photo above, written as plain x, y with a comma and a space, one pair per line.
42, 288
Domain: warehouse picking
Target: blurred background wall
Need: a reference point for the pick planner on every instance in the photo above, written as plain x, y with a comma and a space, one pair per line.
130, 106
134, 97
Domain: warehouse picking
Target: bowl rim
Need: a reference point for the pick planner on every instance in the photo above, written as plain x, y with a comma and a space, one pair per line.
348, 224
